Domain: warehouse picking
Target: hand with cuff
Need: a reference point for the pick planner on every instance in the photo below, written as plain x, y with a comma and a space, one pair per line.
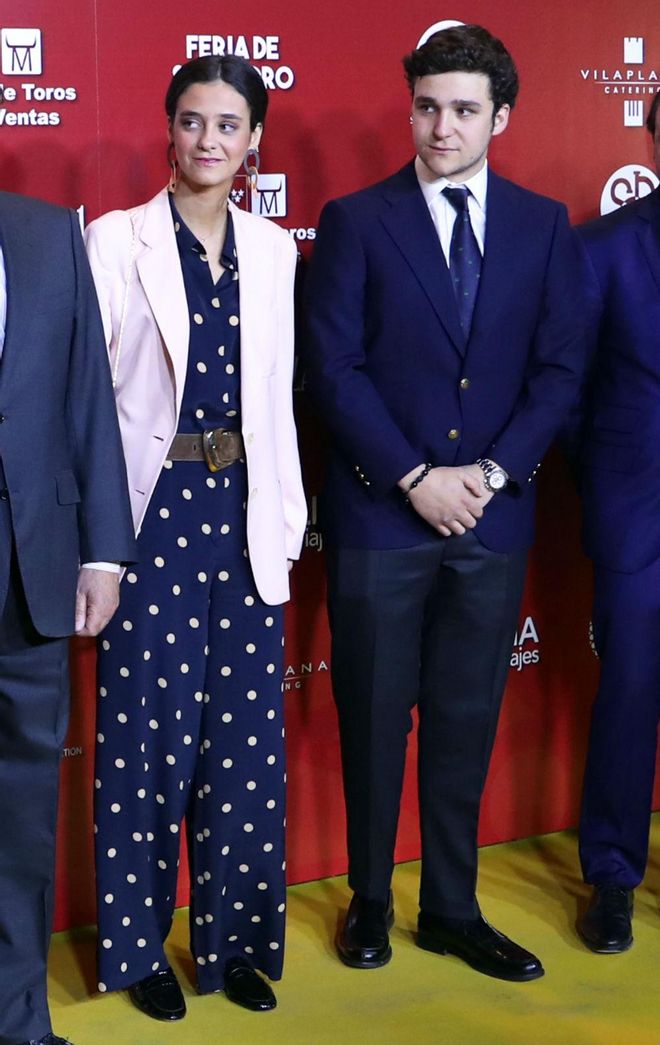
97, 597
451, 500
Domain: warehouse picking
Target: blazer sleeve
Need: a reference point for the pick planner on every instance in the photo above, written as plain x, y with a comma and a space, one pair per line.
106, 529
556, 362
359, 420
286, 441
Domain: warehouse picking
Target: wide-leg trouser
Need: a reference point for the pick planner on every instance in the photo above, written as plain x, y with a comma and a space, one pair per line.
190, 724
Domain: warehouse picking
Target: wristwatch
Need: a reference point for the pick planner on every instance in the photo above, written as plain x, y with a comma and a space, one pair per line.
495, 478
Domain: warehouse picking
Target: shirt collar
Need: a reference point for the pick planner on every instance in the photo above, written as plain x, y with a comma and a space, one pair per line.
477, 184
186, 240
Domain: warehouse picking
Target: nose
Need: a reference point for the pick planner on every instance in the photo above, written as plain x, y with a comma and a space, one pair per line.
443, 124
207, 138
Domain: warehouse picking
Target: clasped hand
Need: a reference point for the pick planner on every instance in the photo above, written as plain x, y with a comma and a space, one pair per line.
451, 500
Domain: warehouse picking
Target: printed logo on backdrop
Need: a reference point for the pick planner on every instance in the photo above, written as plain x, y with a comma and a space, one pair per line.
262, 51
26, 103
21, 52
626, 185
270, 200
526, 646
295, 675
313, 535
75, 751
629, 78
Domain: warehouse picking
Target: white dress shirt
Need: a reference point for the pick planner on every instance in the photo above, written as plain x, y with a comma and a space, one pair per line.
444, 215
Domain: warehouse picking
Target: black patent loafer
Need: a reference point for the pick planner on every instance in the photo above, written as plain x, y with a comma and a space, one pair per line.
244, 986
159, 996
480, 945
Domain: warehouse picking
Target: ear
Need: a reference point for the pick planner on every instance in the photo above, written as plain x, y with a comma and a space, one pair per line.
501, 119
169, 131
255, 137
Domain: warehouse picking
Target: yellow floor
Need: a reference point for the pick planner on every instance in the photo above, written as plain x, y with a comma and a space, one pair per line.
530, 889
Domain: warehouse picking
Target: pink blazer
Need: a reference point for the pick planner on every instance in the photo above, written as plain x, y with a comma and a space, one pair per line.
140, 246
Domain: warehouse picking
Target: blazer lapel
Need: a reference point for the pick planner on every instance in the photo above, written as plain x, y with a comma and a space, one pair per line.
648, 232
411, 227
159, 268
255, 284
22, 247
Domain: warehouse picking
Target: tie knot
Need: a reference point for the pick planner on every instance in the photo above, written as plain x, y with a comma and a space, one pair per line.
458, 197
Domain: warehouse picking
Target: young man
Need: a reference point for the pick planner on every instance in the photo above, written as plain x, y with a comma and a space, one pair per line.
620, 489
63, 502
444, 350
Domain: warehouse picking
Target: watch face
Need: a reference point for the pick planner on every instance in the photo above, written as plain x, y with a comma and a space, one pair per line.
497, 479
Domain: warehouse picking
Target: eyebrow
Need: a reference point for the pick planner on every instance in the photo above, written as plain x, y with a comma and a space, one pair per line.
220, 115
426, 99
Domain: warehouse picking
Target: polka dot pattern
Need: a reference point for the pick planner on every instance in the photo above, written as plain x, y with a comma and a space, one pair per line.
207, 740
188, 688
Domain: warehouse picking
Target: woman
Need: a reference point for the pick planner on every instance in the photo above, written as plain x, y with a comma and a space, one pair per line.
197, 303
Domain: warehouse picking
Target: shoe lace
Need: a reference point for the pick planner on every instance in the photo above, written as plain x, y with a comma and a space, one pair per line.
612, 896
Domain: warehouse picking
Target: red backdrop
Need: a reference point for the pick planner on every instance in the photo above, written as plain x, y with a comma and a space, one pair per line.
83, 125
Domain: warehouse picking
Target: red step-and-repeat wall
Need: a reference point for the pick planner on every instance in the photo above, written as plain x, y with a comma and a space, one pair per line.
83, 125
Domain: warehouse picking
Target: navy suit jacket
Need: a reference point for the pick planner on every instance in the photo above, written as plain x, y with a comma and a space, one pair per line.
394, 377
620, 454
60, 448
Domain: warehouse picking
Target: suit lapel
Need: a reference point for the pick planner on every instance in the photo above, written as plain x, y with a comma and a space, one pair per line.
648, 232
410, 225
159, 269
501, 254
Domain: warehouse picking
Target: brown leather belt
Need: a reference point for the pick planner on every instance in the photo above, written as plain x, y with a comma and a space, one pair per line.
219, 447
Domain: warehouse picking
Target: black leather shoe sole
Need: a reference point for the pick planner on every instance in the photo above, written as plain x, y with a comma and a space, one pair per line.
429, 942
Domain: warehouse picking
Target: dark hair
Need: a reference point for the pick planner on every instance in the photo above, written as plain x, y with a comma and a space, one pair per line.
229, 69
466, 49
652, 117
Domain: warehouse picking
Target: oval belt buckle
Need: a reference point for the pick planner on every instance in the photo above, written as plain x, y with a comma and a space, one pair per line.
214, 460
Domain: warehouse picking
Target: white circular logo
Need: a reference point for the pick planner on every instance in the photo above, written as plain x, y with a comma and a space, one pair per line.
447, 24
627, 184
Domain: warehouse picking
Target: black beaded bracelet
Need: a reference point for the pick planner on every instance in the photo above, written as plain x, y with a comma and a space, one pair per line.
417, 480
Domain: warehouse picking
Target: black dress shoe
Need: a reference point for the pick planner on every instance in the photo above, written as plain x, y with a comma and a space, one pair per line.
478, 944
363, 941
606, 927
159, 996
49, 1039
246, 987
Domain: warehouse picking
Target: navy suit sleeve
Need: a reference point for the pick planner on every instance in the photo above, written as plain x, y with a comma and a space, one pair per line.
556, 362
346, 395
105, 526
571, 433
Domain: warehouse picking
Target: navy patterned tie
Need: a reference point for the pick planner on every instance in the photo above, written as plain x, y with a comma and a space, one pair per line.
464, 257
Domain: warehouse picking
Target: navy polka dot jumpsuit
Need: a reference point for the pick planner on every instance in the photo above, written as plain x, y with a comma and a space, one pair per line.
190, 719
